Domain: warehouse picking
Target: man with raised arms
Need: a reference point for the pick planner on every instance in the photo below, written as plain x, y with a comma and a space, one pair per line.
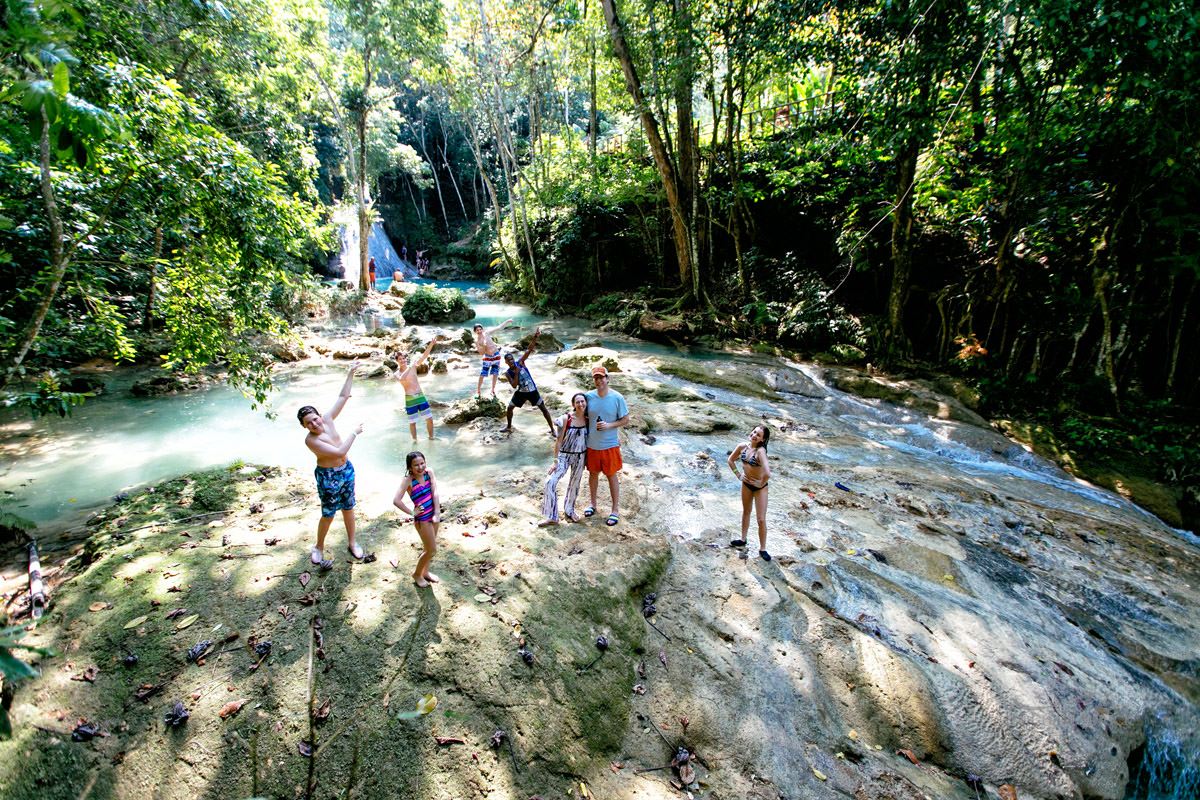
415, 404
335, 473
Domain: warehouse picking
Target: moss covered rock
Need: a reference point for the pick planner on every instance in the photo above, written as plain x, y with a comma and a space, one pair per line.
468, 408
589, 357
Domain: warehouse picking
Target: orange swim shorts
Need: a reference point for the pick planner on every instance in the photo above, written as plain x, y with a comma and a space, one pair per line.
606, 461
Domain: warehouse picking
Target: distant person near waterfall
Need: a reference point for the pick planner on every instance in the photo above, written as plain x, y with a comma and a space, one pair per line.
755, 475
421, 485
371, 271
489, 352
335, 473
519, 378
415, 404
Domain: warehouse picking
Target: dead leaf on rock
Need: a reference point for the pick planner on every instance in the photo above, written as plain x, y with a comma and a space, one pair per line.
88, 675
616, 766
133, 623
99, 605
145, 691
231, 708
271, 542
308, 599
1007, 792
446, 740
304, 748
187, 622
179, 612
821, 776
304, 579
1064, 668
322, 712
909, 755
662, 657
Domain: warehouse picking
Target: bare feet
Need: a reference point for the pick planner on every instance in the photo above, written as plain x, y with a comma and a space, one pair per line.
316, 556
506, 430
421, 583
546, 523
355, 550
429, 576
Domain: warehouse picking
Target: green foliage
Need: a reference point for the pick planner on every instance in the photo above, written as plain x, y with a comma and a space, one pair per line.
428, 305
47, 397
13, 669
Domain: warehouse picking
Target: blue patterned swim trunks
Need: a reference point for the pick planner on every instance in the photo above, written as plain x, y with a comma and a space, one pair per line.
335, 486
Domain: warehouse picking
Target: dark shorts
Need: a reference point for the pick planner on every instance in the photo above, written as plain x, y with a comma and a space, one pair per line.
519, 398
335, 486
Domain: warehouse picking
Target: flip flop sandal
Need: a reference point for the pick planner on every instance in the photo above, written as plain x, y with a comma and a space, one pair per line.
612, 520
764, 555
590, 511
737, 542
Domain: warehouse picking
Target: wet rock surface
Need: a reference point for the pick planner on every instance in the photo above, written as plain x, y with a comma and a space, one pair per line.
933, 624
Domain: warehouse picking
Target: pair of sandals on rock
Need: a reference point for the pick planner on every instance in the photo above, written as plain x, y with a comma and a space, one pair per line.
613, 519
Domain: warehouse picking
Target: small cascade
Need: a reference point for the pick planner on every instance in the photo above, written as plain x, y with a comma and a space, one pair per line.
1166, 766
344, 264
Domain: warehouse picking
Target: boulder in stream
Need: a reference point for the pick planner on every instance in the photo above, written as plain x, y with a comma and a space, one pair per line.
589, 357
466, 409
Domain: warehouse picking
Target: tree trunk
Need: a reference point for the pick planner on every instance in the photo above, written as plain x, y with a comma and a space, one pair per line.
902, 229
58, 256
666, 170
148, 315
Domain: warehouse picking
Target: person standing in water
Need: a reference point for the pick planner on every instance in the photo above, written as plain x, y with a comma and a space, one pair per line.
371, 272
489, 352
519, 378
421, 485
335, 473
606, 413
570, 452
415, 404
754, 477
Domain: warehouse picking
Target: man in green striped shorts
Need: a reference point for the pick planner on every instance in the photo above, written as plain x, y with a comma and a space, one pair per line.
415, 404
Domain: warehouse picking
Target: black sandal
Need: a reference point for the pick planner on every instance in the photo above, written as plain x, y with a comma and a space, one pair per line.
737, 542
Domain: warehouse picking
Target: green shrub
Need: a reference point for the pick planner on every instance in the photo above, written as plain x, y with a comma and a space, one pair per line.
427, 305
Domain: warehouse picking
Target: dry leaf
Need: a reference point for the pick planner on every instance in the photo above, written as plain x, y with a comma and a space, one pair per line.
187, 622
99, 605
821, 776
909, 755
616, 766
445, 740
89, 674
1007, 792
307, 599
231, 708
179, 612
426, 704
687, 774
483, 598
133, 623
304, 579
387, 700
304, 748
322, 712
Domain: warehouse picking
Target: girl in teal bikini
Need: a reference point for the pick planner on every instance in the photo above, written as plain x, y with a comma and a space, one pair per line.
754, 477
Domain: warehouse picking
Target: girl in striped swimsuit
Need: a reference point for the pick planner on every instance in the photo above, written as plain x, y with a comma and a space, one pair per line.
421, 485
570, 451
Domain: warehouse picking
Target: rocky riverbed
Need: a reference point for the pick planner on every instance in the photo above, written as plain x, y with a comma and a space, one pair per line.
939, 621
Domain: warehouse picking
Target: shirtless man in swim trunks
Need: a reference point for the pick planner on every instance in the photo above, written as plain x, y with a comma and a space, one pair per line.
415, 404
489, 352
335, 473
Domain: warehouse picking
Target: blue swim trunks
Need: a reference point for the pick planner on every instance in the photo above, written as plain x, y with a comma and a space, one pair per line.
335, 486
490, 365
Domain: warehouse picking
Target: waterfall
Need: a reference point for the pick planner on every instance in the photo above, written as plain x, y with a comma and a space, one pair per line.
344, 264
